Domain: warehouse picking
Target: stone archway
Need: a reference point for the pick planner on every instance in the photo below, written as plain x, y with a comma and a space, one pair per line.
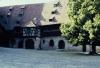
51, 43
20, 44
29, 44
61, 44
43, 41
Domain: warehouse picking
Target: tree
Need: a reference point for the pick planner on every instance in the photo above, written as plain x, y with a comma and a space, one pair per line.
83, 23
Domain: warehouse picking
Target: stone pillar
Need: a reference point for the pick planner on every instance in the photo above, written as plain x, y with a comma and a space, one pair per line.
16, 43
84, 48
38, 43
24, 43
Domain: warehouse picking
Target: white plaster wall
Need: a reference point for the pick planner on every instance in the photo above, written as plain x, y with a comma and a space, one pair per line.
45, 45
68, 47
56, 40
36, 42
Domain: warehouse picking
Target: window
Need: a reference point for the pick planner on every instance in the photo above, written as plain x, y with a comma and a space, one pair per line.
28, 32
21, 14
9, 11
53, 19
8, 14
17, 22
55, 12
21, 11
23, 7
57, 4
10, 8
1, 16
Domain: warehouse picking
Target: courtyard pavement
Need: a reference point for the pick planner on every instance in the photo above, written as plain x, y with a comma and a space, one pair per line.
21, 58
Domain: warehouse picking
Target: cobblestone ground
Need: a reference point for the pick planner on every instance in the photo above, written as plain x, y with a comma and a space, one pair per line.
21, 58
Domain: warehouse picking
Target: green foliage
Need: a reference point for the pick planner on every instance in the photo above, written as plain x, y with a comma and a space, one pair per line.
83, 25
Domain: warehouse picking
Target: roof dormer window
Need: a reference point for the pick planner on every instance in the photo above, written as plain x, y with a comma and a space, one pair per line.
1, 16
21, 14
53, 19
8, 14
58, 4
10, 8
55, 12
22, 10
23, 7
17, 22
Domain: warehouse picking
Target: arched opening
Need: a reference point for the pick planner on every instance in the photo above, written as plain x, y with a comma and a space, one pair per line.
20, 44
61, 44
43, 41
29, 44
4, 37
51, 43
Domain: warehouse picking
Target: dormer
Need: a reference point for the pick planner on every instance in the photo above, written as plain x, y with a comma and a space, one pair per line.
1, 16
8, 14
53, 19
23, 7
10, 9
21, 13
55, 12
58, 4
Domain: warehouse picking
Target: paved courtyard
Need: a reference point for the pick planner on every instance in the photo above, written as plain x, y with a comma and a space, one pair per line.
21, 58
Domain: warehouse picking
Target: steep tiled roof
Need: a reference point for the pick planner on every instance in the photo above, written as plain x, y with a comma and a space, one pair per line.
21, 2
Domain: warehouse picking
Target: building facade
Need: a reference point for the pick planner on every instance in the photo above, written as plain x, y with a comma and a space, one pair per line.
34, 26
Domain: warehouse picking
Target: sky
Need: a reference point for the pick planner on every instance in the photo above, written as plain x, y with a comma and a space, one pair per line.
20, 2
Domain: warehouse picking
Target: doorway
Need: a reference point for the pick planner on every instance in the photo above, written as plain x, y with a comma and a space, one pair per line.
29, 44
61, 44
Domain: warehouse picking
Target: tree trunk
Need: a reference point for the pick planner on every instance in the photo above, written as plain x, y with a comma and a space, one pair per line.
84, 48
92, 50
